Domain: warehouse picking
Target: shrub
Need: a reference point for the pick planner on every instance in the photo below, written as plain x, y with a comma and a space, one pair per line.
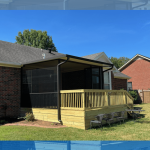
134, 94
3, 121
29, 117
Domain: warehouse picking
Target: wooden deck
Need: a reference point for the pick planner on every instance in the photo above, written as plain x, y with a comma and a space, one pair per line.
79, 107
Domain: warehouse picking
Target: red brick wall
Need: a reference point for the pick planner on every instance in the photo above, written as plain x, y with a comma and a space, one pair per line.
10, 90
139, 71
118, 84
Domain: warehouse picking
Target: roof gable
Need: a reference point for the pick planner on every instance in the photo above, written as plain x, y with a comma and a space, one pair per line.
136, 57
101, 57
92, 56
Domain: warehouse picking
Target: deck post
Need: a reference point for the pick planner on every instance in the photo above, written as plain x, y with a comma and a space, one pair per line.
106, 99
124, 98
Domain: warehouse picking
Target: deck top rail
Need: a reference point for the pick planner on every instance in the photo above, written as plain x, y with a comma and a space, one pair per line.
94, 98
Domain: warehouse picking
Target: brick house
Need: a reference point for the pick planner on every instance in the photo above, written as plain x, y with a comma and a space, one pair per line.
31, 77
138, 68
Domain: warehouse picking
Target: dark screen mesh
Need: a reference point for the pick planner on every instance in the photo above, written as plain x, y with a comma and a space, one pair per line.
88, 78
39, 88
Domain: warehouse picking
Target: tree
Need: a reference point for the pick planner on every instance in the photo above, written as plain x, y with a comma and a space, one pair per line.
118, 62
36, 39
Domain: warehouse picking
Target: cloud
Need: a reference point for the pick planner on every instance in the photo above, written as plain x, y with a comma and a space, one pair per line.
146, 24
123, 31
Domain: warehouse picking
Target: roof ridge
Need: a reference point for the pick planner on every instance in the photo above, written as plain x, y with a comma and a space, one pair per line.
137, 55
92, 54
25, 46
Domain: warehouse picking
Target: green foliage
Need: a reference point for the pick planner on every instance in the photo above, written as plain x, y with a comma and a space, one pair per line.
36, 39
118, 62
133, 94
29, 117
3, 121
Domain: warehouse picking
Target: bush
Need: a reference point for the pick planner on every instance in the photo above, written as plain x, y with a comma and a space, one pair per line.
29, 117
3, 121
134, 94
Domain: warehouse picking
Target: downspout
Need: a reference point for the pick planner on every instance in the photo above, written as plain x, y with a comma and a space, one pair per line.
146, 2
58, 87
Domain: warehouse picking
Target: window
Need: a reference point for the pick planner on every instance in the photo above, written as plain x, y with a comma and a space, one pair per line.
129, 86
107, 82
95, 78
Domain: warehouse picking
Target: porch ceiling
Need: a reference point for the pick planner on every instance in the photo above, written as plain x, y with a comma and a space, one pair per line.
87, 62
74, 63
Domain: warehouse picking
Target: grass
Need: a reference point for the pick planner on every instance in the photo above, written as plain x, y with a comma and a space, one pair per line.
139, 130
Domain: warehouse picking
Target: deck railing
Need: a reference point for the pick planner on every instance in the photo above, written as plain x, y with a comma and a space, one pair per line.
93, 98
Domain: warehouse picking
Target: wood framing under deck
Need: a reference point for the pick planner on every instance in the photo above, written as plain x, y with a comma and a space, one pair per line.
44, 114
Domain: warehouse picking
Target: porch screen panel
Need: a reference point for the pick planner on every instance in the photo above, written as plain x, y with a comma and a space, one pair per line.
88, 78
39, 88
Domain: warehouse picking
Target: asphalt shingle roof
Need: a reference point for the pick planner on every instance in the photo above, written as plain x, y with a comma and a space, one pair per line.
119, 74
116, 74
92, 56
12, 52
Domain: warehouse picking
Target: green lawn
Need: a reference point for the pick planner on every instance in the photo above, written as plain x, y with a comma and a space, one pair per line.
128, 131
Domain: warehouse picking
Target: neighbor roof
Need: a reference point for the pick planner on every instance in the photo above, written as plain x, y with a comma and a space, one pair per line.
16, 53
132, 59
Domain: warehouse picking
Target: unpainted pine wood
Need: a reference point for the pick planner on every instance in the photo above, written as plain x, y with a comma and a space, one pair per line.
72, 109
66, 99
79, 100
61, 100
83, 99
72, 91
75, 99
90, 99
95, 99
71, 100
86, 98
98, 99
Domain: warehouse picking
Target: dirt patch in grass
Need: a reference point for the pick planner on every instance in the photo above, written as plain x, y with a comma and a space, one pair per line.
36, 123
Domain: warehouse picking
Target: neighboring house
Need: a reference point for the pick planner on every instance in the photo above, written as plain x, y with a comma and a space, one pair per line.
113, 79
34, 80
138, 68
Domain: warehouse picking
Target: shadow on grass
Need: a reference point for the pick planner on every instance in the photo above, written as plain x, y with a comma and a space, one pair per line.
106, 127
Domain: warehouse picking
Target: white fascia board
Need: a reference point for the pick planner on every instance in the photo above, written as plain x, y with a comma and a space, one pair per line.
129, 61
